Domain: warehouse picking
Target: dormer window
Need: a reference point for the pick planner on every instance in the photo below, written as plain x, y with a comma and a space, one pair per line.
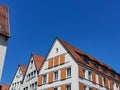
95, 64
86, 60
113, 73
105, 69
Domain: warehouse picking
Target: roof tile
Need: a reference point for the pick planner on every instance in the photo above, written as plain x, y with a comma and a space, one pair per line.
38, 60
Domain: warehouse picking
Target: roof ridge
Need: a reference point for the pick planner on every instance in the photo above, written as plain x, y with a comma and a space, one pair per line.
82, 52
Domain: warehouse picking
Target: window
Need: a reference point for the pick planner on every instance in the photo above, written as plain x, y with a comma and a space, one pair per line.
26, 88
97, 79
113, 73
69, 72
31, 74
89, 75
31, 64
105, 69
90, 88
68, 87
83, 73
86, 60
95, 64
56, 75
55, 88
34, 73
56, 50
35, 85
104, 81
85, 87
44, 79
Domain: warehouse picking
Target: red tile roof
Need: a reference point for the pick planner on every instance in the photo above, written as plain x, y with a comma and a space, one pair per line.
4, 21
23, 68
4, 86
38, 60
78, 54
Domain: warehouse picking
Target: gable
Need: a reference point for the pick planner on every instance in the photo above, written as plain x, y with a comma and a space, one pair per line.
31, 66
30, 71
56, 49
59, 55
17, 77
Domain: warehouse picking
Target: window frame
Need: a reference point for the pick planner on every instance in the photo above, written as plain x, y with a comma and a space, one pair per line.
67, 88
56, 79
44, 78
67, 72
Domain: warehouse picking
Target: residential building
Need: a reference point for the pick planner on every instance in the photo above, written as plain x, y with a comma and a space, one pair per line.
4, 34
31, 75
16, 83
4, 86
68, 68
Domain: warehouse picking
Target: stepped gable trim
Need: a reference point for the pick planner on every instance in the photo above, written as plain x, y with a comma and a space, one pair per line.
78, 54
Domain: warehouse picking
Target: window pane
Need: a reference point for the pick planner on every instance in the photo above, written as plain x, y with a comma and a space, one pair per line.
55, 88
89, 75
56, 75
68, 87
69, 72
44, 78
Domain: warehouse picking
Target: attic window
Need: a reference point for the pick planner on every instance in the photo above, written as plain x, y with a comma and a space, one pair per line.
86, 60
95, 64
105, 69
56, 50
31, 64
113, 73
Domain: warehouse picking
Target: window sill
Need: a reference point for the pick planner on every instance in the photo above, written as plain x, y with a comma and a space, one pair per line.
30, 79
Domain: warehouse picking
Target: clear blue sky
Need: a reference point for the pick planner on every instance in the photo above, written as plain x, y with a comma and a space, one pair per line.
91, 25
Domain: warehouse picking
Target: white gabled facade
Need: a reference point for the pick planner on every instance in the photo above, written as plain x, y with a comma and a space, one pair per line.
68, 68
58, 51
16, 83
31, 75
